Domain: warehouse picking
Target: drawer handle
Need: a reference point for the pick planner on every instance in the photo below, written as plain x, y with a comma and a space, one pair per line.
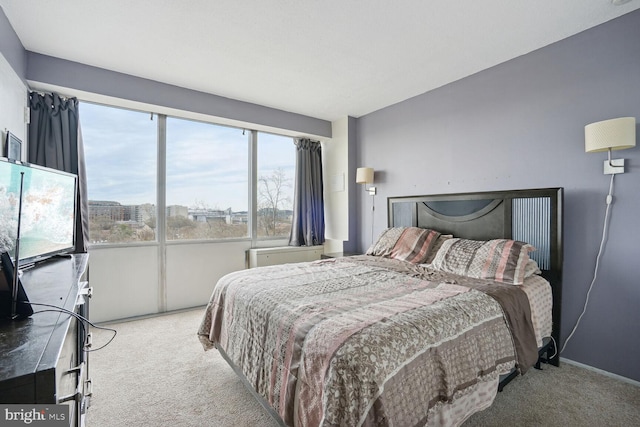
85, 291
88, 291
88, 387
79, 371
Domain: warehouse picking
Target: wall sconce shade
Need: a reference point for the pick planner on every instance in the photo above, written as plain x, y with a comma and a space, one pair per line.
608, 135
364, 176
614, 134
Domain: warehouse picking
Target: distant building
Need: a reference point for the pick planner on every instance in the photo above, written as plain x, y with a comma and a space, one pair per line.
146, 212
141, 214
106, 210
130, 212
238, 218
210, 215
206, 215
177, 210
116, 212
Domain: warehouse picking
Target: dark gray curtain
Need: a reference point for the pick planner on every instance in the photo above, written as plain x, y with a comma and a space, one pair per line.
307, 228
55, 141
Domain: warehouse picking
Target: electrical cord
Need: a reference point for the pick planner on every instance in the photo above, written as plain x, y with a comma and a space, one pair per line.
555, 348
81, 319
609, 200
373, 215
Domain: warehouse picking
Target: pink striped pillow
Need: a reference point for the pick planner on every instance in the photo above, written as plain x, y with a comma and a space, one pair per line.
501, 260
415, 245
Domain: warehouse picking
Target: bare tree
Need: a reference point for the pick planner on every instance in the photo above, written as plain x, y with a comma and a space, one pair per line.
272, 198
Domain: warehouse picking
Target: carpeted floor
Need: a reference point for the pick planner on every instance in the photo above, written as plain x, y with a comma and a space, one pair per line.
155, 373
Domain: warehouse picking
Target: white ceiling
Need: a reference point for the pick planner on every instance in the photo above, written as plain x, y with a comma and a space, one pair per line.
322, 58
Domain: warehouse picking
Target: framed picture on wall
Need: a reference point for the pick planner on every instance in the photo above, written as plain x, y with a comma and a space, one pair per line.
13, 147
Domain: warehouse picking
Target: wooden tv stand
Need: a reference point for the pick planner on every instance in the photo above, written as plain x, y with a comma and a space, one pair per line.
44, 358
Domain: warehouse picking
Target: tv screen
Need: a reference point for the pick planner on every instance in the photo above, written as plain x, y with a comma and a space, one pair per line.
47, 222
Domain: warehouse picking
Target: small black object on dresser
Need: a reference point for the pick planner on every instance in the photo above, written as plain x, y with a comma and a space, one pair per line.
44, 357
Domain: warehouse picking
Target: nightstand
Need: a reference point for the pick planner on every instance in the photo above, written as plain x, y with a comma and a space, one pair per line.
337, 254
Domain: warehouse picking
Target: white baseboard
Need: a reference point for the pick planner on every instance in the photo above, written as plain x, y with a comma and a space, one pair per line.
600, 371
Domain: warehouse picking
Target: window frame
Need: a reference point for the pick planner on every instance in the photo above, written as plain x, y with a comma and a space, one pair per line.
257, 185
145, 243
248, 237
161, 181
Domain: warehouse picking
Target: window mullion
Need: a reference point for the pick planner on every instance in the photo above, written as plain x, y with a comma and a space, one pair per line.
161, 212
253, 186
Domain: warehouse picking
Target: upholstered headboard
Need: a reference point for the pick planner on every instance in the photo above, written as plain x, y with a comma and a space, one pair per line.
533, 216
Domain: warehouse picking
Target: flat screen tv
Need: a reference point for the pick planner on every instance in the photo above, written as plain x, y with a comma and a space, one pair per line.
47, 221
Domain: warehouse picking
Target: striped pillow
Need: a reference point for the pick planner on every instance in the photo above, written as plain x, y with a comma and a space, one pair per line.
434, 250
501, 260
411, 244
415, 245
531, 268
386, 241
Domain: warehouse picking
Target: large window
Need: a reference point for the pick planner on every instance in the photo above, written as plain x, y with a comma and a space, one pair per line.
276, 169
207, 181
120, 150
205, 177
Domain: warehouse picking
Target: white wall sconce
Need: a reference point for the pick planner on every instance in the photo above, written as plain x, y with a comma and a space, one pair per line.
365, 176
608, 135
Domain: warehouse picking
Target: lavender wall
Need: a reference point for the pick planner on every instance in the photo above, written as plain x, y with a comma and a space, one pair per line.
74, 75
521, 125
11, 48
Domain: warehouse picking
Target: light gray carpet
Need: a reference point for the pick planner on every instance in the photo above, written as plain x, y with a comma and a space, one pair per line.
155, 373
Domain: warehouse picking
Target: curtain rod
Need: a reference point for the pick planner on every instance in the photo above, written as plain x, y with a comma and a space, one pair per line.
63, 97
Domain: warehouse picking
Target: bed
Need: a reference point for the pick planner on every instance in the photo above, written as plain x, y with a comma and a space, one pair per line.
448, 305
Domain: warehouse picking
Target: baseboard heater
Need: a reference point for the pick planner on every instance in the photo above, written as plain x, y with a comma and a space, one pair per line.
259, 257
